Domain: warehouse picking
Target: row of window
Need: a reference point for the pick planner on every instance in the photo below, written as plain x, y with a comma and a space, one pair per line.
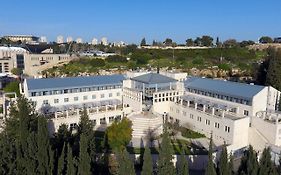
74, 90
208, 122
85, 97
166, 94
219, 96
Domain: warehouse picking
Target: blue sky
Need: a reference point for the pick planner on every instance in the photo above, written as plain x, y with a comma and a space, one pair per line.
131, 20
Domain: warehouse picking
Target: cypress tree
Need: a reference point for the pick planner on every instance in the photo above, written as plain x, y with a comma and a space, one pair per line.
45, 154
84, 165
211, 166
274, 69
182, 165
71, 169
62, 161
165, 164
249, 163
126, 165
279, 166
223, 162
147, 168
231, 171
31, 165
266, 165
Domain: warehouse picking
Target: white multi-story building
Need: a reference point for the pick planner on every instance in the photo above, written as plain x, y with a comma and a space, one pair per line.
79, 40
94, 41
233, 113
43, 39
60, 39
69, 39
104, 41
31, 64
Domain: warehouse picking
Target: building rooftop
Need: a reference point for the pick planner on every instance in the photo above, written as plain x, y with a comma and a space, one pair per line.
153, 78
234, 89
73, 82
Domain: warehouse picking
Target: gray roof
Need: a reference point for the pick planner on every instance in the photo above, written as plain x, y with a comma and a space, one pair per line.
153, 78
73, 82
233, 89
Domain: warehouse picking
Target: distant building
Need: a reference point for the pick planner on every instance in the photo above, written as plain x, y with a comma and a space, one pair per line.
60, 39
69, 39
104, 41
22, 38
43, 39
32, 63
79, 40
94, 41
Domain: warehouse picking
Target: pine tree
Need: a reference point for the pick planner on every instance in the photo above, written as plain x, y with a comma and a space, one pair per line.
84, 165
147, 168
266, 165
223, 162
182, 165
249, 163
126, 165
45, 154
62, 161
165, 164
71, 169
211, 166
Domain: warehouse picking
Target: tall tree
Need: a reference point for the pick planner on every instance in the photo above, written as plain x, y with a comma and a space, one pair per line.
207, 41
119, 134
45, 154
62, 161
231, 171
274, 69
182, 167
71, 168
168, 42
249, 162
84, 165
126, 165
266, 165
189, 42
223, 162
147, 168
265, 39
143, 42
165, 164
211, 166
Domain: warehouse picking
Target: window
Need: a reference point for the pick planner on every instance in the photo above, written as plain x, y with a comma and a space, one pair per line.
207, 122
45, 102
73, 126
66, 100
217, 125
85, 97
101, 95
191, 116
33, 94
227, 129
246, 112
118, 94
110, 95
76, 98
199, 119
94, 96
56, 100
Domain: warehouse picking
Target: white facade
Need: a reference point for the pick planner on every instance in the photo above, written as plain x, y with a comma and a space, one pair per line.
79, 40
230, 113
43, 39
60, 39
94, 41
104, 41
69, 39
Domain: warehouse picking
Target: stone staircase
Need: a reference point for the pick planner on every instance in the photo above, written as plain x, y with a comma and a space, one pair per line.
146, 125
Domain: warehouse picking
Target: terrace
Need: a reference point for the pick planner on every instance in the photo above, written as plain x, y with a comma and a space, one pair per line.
76, 110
